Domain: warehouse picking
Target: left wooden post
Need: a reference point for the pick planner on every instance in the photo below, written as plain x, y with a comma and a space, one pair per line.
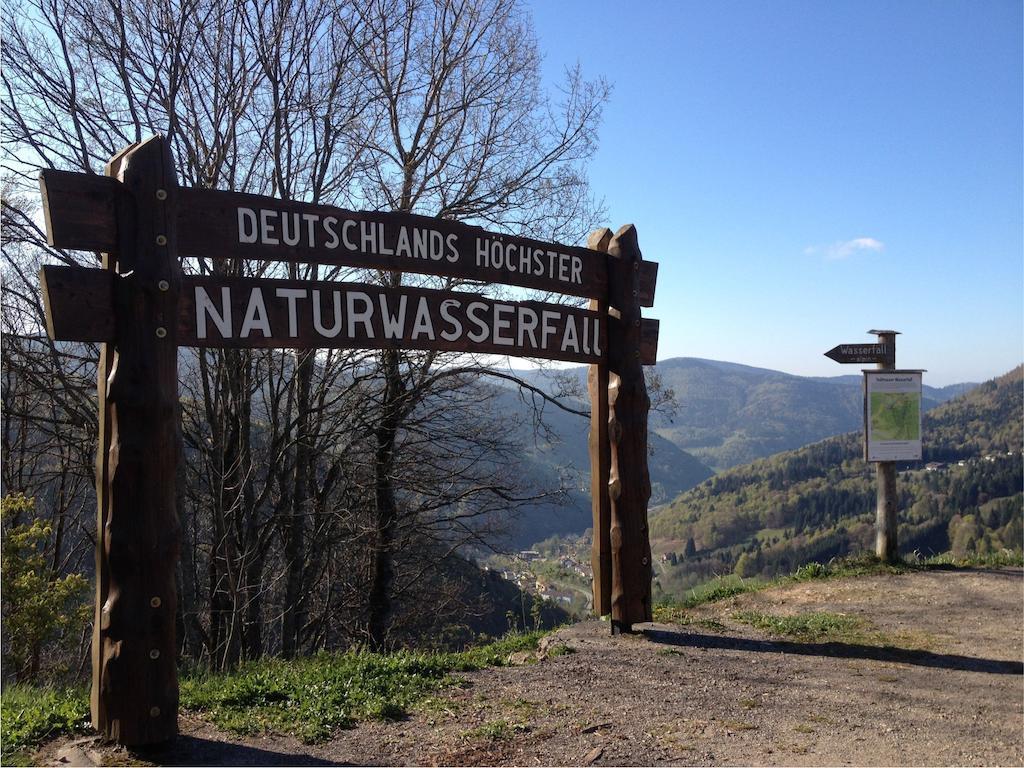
135, 680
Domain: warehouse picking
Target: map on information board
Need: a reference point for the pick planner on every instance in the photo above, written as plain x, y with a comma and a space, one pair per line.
893, 415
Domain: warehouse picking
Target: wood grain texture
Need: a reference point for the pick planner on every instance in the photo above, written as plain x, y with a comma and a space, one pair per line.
597, 384
135, 684
886, 543
649, 330
78, 303
80, 210
629, 481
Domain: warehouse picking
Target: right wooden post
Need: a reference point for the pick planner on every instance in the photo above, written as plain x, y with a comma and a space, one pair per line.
629, 485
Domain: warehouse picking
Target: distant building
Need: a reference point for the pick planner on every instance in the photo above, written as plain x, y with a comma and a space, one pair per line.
529, 554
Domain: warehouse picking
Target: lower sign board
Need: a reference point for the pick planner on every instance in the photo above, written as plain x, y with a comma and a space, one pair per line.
892, 415
249, 312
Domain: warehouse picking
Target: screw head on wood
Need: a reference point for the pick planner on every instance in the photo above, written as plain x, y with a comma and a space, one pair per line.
154, 602
163, 285
154, 711
643, 561
154, 654
161, 194
161, 240
161, 332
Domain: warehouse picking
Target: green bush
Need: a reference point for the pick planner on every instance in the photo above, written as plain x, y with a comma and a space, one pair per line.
40, 610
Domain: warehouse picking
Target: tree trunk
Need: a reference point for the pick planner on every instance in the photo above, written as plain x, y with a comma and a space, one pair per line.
385, 507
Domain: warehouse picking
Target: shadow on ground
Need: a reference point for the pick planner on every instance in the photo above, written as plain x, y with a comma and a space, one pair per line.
191, 750
838, 650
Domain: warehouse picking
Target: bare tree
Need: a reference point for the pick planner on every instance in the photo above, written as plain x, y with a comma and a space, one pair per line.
318, 487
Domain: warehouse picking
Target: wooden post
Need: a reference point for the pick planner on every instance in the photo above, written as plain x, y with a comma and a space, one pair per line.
886, 546
135, 682
629, 484
597, 383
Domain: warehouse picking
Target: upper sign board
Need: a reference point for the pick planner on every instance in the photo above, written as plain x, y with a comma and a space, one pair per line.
79, 213
892, 415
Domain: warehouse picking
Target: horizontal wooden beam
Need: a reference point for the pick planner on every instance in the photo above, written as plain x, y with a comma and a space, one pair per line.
80, 210
80, 213
649, 341
216, 224
78, 303
647, 273
298, 314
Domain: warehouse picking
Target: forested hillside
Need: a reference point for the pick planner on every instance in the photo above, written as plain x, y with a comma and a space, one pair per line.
729, 414
818, 502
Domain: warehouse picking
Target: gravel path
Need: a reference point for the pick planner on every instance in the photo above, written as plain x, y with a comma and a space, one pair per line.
935, 679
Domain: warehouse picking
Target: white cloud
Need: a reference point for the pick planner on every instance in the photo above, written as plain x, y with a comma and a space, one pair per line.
844, 249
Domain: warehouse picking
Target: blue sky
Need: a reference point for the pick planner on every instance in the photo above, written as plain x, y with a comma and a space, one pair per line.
805, 171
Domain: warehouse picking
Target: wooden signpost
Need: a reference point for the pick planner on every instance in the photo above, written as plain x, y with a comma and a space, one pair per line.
884, 355
141, 308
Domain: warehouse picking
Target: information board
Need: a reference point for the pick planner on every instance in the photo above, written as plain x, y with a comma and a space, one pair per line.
892, 415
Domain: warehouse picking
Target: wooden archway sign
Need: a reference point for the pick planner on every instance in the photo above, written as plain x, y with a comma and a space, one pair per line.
141, 308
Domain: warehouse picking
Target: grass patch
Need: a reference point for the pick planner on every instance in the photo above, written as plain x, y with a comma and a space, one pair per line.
674, 611
29, 716
496, 730
309, 698
819, 626
1002, 559
739, 725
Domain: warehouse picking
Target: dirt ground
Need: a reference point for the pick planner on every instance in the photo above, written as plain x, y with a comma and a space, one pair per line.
941, 682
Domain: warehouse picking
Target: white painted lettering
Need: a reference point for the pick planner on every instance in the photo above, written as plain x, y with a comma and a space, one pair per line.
393, 324
205, 307
364, 316
527, 325
329, 227
255, 316
350, 244
569, 335
424, 325
501, 324
384, 250
246, 225
292, 295
547, 317
318, 319
436, 246
577, 270
402, 247
482, 331
367, 238
446, 307
290, 228
267, 227
453, 251
421, 243
311, 219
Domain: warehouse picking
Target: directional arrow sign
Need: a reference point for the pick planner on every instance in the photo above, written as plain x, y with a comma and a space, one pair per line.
860, 353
